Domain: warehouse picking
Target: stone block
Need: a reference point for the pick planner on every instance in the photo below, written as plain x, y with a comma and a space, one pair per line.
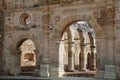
44, 71
15, 71
100, 74
110, 72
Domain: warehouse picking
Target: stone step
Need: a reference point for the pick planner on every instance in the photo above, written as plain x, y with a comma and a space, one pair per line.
44, 78
23, 78
27, 73
80, 74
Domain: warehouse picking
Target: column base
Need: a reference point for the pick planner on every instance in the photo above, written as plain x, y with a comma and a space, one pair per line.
44, 71
110, 72
118, 75
55, 72
70, 70
93, 68
15, 71
84, 69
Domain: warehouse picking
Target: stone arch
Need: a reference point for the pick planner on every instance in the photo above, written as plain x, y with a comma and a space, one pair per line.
14, 50
81, 36
70, 36
20, 39
61, 26
88, 60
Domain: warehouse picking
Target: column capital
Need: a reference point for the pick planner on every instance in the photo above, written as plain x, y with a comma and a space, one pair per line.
92, 46
71, 42
62, 41
83, 45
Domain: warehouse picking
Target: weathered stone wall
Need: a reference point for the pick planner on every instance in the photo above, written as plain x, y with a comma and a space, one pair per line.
46, 27
117, 37
11, 4
16, 33
1, 38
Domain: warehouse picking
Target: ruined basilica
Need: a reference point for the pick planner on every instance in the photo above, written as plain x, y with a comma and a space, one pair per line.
52, 37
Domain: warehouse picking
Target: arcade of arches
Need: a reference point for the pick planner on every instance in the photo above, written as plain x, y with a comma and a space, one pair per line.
79, 47
54, 37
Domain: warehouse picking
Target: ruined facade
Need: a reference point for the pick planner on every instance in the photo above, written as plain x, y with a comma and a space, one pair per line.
57, 41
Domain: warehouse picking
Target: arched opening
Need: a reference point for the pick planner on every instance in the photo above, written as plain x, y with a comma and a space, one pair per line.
28, 57
89, 61
79, 48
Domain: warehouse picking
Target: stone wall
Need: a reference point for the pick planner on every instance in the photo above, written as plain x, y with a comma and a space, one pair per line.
1, 38
16, 32
38, 3
117, 37
46, 27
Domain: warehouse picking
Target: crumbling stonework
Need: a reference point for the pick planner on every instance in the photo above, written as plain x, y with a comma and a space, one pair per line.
45, 22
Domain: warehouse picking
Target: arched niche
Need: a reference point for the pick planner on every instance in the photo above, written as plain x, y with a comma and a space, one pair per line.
15, 52
28, 56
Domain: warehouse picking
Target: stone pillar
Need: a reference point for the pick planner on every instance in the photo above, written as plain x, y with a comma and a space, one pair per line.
46, 40
71, 56
61, 58
45, 60
93, 53
110, 71
56, 63
100, 58
44, 68
83, 58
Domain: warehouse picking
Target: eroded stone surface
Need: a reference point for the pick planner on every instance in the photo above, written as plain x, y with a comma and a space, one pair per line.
49, 20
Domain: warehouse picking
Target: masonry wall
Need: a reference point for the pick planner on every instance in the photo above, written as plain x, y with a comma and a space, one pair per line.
1, 38
16, 33
45, 22
117, 37
47, 25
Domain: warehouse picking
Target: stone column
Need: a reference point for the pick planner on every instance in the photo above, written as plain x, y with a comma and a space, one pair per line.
83, 58
44, 71
100, 58
57, 54
44, 68
110, 71
71, 56
61, 58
